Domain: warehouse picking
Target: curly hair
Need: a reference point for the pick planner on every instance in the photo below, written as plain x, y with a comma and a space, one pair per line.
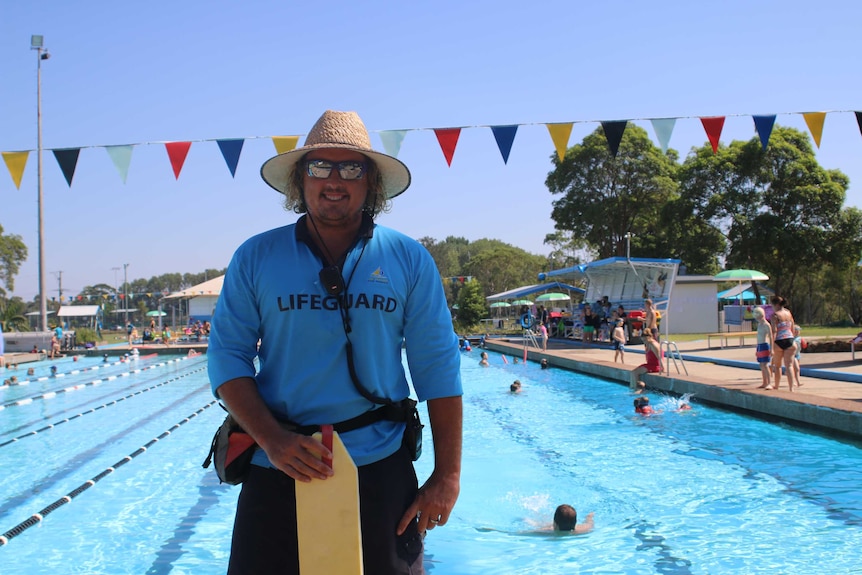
375, 203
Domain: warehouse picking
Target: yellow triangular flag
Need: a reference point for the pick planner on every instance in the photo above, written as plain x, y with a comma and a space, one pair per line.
284, 143
815, 124
560, 135
15, 162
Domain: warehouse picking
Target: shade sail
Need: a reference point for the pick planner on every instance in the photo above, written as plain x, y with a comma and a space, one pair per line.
79, 311
210, 287
527, 290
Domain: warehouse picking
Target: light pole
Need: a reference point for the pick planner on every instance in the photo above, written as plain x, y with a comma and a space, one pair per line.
116, 289
36, 43
126, 292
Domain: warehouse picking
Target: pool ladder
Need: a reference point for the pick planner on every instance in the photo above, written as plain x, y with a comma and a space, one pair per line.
530, 337
671, 353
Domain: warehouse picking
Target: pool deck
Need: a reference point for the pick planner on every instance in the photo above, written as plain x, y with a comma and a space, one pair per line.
830, 396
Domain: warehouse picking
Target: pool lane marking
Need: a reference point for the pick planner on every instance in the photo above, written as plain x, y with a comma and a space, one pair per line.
73, 372
94, 409
39, 516
50, 394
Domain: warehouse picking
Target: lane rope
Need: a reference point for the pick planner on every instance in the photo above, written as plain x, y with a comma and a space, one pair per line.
38, 517
95, 409
52, 394
72, 372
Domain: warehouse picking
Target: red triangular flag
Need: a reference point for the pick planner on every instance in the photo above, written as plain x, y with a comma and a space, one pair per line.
713, 127
177, 152
448, 138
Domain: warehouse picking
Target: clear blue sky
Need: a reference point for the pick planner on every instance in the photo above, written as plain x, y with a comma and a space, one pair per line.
139, 72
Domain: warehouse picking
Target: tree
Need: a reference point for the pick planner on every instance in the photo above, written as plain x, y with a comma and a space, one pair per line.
779, 210
604, 198
13, 252
471, 304
12, 316
566, 249
502, 267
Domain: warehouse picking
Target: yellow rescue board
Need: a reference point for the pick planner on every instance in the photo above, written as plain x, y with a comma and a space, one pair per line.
327, 519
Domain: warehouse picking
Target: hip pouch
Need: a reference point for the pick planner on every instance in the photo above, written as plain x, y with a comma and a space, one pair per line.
232, 448
231, 452
413, 432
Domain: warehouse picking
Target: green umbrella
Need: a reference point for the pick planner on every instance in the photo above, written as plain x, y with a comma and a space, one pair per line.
740, 276
500, 304
553, 296
156, 313
522, 302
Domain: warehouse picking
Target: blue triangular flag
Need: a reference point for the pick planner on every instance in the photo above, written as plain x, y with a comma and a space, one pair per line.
231, 150
504, 135
763, 125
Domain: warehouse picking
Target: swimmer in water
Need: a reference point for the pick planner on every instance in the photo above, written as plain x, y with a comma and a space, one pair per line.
642, 406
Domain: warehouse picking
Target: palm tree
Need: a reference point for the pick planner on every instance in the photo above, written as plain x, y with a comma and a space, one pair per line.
12, 316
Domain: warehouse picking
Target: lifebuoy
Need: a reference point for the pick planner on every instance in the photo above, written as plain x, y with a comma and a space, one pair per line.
526, 321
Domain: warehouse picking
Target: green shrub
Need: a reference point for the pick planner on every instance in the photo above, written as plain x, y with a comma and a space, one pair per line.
85, 335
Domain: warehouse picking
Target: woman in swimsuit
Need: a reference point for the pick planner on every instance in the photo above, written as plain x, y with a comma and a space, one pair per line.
652, 365
782, 334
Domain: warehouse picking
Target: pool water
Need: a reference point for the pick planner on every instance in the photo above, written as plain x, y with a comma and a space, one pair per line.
702, 491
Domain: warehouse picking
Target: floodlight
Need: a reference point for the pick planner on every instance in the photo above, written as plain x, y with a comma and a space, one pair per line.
36, 41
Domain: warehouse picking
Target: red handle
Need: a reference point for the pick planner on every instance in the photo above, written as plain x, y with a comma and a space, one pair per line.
326, 431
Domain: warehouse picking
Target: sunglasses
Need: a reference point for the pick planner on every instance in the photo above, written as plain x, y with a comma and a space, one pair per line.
349, 170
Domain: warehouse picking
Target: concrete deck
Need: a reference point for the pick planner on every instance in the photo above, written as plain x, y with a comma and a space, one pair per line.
830, 396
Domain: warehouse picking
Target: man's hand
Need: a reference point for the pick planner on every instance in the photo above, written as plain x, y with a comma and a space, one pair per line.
433, 503
437, 497
295, 454
299, 456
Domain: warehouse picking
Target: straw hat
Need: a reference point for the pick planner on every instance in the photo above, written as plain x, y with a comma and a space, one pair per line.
343, 130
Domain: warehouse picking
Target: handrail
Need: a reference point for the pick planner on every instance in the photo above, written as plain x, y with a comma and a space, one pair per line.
672, 354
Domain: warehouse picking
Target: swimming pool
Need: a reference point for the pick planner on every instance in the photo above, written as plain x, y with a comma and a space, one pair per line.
706, 491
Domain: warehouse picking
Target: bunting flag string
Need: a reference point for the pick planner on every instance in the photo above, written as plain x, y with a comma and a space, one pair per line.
814, 121
121, 156
763, 126
230, 150
67, 159
447, 138
614, 134
560, 134
15, 163
663, 128
713, 127
177, 152
284, 144
505, 136
392, 141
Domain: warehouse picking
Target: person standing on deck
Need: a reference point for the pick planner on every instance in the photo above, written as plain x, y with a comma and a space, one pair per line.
347, 292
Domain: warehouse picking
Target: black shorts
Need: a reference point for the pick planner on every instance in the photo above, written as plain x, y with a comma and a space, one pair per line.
264, 532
